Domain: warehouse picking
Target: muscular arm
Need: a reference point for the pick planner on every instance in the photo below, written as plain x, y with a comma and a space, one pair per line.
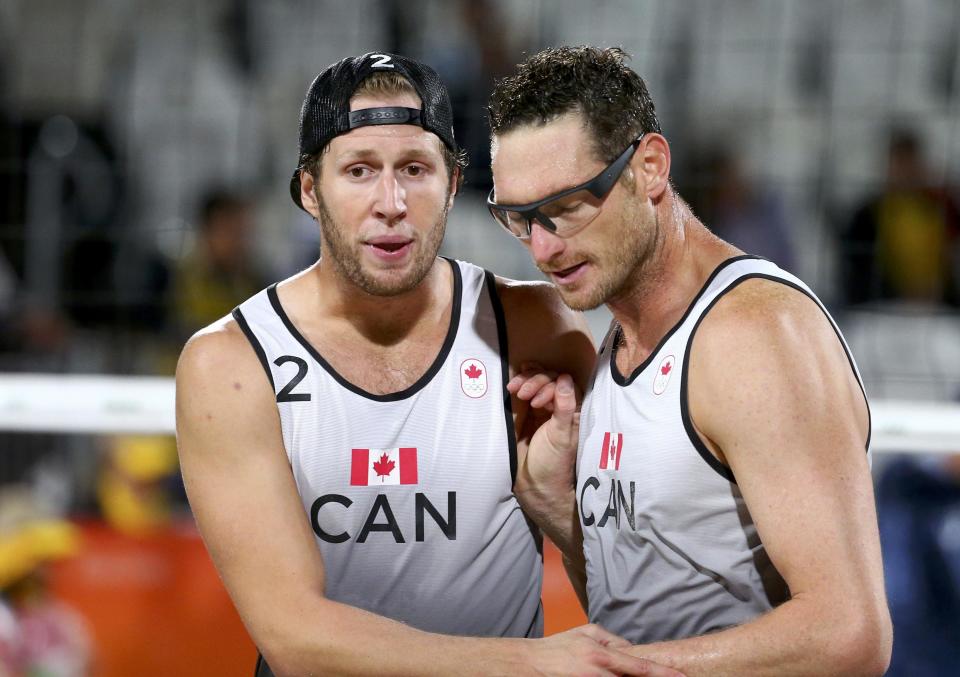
246, 504
542, 330
772, 394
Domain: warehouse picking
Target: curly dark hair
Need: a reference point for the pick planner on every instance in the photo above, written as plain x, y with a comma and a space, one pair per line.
595, 82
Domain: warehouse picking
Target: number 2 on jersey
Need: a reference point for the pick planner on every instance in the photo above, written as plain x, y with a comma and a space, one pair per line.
286, 395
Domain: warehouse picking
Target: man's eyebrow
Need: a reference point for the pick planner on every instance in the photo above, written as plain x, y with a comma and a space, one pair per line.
355, 154
554, 188
422, 154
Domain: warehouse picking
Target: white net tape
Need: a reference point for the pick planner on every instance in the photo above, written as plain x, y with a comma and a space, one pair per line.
66, 403
132, 404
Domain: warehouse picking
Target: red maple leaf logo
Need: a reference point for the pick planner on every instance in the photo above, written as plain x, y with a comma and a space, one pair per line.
473, 372
665, 369
384, 466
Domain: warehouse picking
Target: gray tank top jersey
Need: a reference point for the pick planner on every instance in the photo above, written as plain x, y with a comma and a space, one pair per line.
670, 547
410, 494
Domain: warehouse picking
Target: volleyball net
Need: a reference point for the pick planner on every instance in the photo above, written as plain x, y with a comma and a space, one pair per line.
107, 405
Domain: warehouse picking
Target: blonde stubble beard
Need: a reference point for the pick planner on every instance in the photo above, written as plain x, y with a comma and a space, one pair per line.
345, 256
629, 266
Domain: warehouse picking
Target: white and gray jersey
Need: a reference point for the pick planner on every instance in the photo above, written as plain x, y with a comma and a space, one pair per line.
671, 549
410, 494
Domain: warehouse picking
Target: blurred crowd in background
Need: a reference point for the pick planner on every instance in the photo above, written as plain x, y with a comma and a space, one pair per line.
145, 150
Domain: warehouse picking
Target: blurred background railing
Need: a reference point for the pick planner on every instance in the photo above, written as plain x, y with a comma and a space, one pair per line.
145, 148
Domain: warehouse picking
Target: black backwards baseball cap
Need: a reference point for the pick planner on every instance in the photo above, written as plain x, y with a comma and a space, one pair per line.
326, 108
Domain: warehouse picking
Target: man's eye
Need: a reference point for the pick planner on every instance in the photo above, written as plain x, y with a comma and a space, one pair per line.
358, 172
562, 209
415, 170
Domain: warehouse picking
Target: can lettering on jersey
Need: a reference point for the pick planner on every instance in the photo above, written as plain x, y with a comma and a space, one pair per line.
381, 518
617, 505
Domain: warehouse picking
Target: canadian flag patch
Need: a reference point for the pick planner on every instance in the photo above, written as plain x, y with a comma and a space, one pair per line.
610, 454
473, 378
380, 467
664, 372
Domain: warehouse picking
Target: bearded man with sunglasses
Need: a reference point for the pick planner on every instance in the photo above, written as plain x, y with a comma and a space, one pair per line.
716, 484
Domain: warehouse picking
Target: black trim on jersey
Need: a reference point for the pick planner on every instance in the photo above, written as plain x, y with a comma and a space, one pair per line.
389, 397
536, 622
624, 381
257, 348
692, 435
491, 282
262, 669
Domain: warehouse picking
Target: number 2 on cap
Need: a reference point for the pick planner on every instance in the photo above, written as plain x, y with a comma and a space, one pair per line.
383, 61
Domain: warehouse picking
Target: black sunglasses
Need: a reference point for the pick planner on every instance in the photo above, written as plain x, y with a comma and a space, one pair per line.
563, 219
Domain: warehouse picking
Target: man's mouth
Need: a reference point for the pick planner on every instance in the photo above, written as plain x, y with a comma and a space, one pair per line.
568, 274
389, 247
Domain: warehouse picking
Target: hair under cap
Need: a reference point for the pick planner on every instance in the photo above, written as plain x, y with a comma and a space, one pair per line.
326, 107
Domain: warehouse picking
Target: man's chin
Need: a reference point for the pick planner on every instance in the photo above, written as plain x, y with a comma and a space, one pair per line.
387, 285
585, 298
392, 280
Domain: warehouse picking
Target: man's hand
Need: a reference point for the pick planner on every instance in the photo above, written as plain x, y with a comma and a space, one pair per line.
545, 478
591, 650
553, 446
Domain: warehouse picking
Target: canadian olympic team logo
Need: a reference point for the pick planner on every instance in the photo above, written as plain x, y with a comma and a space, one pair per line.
473, 378
664, 372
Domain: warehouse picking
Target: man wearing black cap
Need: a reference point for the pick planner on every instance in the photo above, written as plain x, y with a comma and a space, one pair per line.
358, 501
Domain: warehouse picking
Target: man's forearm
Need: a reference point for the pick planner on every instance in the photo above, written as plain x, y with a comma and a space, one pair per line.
553, 507
555, 512
801, 637
345, 640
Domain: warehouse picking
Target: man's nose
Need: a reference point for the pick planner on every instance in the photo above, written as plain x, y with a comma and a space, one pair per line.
544, 244
391, 199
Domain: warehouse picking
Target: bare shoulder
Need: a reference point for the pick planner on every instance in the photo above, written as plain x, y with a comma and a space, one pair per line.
765, 311
765, 319
542, 329
533, 304
220, 347
219, 377
517, 290
768, 352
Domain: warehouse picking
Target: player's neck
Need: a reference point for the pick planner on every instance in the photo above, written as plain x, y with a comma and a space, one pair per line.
384, 319
663, 289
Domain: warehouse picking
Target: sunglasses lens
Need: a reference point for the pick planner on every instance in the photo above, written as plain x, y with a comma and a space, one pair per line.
511, 220
571, 212
567, 213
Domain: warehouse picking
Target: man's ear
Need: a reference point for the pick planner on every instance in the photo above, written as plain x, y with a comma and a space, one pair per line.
651, 165
454, 184
308, 195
